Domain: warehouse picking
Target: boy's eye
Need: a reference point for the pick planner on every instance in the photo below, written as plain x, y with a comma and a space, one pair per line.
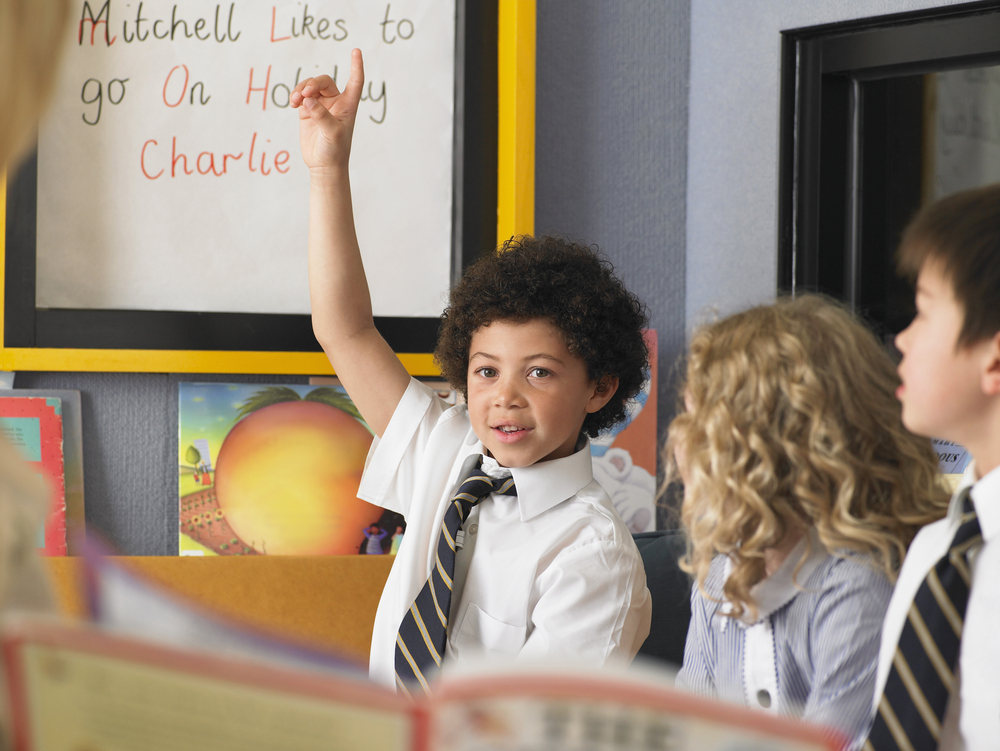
487, 372
539, 373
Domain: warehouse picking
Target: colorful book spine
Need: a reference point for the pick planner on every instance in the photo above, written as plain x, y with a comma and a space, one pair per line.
34, 426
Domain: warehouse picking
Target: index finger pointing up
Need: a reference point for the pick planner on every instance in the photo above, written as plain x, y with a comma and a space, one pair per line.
356, 82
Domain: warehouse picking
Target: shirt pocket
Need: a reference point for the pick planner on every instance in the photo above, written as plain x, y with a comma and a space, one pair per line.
481, 633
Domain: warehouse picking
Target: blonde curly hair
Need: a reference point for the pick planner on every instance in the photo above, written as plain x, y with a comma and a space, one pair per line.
32, 34
792, 424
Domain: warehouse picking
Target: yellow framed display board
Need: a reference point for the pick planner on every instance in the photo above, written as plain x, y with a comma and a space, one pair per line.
127, 340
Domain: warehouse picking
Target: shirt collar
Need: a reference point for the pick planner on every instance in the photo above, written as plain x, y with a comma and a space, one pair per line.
543, 485
777, 590
985, 494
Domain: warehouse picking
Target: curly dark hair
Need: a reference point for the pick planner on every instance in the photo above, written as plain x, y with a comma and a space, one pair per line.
572, 286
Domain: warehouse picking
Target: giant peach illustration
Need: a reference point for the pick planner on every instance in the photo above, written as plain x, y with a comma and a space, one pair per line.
287, 476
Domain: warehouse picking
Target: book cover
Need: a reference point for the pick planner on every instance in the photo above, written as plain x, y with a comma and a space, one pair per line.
156, 666
72, 427
952, 460
75, 687
34, 425
274, 470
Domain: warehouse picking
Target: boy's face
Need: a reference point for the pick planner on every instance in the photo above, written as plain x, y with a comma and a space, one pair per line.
941, 392
528, 394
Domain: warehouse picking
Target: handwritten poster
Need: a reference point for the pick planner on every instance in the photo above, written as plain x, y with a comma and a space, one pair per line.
169, 170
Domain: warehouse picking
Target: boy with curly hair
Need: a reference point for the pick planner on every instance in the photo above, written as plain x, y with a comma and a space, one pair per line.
937, 683
546, 346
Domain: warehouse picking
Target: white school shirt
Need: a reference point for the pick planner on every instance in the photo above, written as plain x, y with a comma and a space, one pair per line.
810, 653
979, 654
552, 572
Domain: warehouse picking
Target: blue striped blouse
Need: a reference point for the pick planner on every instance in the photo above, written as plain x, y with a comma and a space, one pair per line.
813, 651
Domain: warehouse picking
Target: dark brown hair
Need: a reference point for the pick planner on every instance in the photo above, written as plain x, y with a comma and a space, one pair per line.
962, 233
572, 286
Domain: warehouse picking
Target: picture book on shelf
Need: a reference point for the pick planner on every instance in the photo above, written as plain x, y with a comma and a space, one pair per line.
274, 470
72, 431
34, 426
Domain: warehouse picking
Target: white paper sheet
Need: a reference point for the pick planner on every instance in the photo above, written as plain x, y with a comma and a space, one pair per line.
122, 226
966, 129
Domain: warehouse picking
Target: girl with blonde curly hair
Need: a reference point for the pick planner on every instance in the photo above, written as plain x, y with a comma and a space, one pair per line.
802, 491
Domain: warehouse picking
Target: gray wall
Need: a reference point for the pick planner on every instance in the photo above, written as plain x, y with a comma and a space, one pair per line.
610, 149
732, 177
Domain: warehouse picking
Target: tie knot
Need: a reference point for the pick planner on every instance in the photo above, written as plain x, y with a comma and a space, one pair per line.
479, 485
969, 532
504, 486
966, 496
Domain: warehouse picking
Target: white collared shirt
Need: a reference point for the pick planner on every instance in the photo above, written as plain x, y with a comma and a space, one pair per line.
550, 572
979, 657
811, 652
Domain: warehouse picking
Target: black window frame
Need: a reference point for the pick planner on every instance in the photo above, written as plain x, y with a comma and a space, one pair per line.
828, 73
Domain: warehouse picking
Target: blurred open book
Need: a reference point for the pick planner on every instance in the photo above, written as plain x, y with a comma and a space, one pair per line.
157, 673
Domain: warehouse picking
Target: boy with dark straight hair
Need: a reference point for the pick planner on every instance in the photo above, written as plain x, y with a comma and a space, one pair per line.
511, 548
938, 683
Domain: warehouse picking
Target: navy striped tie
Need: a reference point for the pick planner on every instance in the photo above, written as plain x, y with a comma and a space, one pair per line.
423, 633
922, 676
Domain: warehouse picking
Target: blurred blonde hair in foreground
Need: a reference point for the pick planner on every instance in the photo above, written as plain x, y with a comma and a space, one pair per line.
792, 422
31, 36
32, 33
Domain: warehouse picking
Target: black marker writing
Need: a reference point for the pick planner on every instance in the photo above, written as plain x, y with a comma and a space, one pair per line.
97, 95
403, 28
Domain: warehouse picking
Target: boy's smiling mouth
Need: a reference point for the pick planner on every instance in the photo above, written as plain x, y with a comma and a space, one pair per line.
509, 432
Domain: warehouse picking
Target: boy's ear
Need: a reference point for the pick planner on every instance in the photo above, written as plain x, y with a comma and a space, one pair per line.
603, 391
991, 367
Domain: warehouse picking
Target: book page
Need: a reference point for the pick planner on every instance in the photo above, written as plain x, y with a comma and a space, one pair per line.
517, 723
81, 700
566, 710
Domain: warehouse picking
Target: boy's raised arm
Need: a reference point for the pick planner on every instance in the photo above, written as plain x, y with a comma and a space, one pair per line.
338, 290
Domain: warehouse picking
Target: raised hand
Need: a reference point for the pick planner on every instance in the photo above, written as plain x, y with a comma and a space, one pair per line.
327, 115
338, 290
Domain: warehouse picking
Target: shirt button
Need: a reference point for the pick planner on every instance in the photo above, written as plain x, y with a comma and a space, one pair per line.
473, 529
764, 698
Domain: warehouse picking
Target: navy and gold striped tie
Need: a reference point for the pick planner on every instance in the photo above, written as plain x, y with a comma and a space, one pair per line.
420, 642
922, 676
